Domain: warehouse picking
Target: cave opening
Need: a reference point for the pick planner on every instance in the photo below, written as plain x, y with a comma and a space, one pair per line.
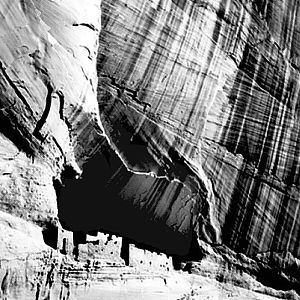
106, 199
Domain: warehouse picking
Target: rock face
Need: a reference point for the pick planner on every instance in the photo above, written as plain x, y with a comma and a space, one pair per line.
48, 99
206, 93
48, 104
180, 117
211, 86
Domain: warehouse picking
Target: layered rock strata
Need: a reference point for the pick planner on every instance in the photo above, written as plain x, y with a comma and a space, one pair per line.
210, 85
48, 100
208, 90
48, 115
180, 117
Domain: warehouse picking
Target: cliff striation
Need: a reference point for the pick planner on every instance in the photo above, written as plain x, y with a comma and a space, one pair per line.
173, 124
211, 87
48, 100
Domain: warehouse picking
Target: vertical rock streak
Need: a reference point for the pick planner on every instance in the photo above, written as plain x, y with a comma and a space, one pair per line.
221, 83
195, 134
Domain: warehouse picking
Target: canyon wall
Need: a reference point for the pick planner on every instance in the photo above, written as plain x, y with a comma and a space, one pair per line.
48, 100
210, 89
206, 93
171, 123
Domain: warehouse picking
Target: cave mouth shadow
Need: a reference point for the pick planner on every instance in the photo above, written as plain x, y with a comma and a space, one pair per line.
101, 209
50, 235
99, 202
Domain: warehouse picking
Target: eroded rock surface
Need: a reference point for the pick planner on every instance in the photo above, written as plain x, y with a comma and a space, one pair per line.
181, 120
212, 85
210, 89
48, 99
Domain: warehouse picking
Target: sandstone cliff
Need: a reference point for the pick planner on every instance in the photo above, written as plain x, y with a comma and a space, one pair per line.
207, 94
179, 117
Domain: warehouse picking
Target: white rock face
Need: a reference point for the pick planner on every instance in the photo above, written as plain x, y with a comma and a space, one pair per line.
48, 117
48, 78
48, 85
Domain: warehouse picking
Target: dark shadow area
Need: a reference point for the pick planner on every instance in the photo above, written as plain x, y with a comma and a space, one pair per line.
180, 3
125, 251
50, 235
111, 199
40, 123
17, 135
275, 279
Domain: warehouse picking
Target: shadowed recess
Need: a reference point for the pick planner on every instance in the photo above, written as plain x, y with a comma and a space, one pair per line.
110, 198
